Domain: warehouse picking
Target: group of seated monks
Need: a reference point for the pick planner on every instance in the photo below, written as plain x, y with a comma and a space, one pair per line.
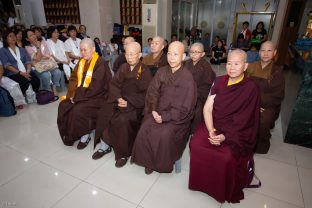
149, 109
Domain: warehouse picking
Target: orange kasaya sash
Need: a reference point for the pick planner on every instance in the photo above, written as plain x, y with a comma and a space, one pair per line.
88, 78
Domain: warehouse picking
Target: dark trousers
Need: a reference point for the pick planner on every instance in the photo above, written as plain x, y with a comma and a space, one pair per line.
24, 83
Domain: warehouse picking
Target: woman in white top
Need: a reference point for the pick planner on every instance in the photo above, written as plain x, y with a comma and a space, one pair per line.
72, 46
58, 51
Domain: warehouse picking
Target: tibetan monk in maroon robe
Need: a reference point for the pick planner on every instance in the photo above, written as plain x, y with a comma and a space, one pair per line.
169, 110
203, 76
87, 90
120, 118
221, 147
156, 59
270, 79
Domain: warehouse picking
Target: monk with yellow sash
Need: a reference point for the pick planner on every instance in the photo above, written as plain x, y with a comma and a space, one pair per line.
87, 90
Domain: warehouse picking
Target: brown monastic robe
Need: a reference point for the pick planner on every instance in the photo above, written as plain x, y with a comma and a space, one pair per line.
118, 126
272, 86
77, 119
155, 64
121, 59
204, 77
173, 96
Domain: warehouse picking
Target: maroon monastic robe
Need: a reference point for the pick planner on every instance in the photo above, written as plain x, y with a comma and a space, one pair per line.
173, 96
155, 64
204, 77
77, 119
221, 171
271, 82
118, 126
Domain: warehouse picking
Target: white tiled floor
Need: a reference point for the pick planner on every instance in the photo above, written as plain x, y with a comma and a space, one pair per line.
37, 170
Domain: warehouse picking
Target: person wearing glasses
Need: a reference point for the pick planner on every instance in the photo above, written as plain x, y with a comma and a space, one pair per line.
203, 76
120, 117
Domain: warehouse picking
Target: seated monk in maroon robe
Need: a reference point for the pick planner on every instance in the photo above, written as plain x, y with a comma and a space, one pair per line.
87, 90
156, 59
221, 147
270, 79
120, 117
203, 76
169, 109
121, 59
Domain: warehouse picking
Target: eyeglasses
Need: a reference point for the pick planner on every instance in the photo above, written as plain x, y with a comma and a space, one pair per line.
195, 52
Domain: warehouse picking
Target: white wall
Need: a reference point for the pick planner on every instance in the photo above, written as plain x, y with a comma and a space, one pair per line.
116, 11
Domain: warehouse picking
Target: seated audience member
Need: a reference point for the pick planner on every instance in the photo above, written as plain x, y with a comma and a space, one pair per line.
19, 38
240, 43
121, 59
246, 32
38, 32
174, 38
203, 76
156, 58
98, 46
169, 109
223, 144
218, 54
82, 32
252, 54
57, 48
147, 49
215, 41
120, 118
17, 64
87, 90
72, 46
166, 45
206, 42
270, 79
38, 50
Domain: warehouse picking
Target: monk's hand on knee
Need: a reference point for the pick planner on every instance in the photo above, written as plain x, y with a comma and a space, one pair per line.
157, 117
261, 110
122, 103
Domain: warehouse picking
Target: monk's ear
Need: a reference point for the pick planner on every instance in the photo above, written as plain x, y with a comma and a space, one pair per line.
140, 55
246, 66
184, 56
203, 54
275, 51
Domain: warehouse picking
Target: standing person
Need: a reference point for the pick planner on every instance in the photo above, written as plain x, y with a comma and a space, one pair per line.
206, 43
218, 54
17, 64
120, 118
87, 90
259, 35
224, 143
121, 59
270, 79
38, 50
12, 19
58, 50
246, 32
72, 46
157, 58
203, 76
169, 109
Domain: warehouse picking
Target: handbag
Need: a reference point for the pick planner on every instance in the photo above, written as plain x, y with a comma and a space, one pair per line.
251, 174
45, 64
44, 97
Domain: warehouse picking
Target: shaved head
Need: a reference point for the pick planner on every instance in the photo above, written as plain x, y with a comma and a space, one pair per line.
160, 39
157, 45
175, 55
133, 53
199, 46
88, 42
238, 52
177, 44
268, 43
134, 46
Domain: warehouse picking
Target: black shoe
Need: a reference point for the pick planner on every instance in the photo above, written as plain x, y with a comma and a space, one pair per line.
100, 153
121, 162
82, 145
